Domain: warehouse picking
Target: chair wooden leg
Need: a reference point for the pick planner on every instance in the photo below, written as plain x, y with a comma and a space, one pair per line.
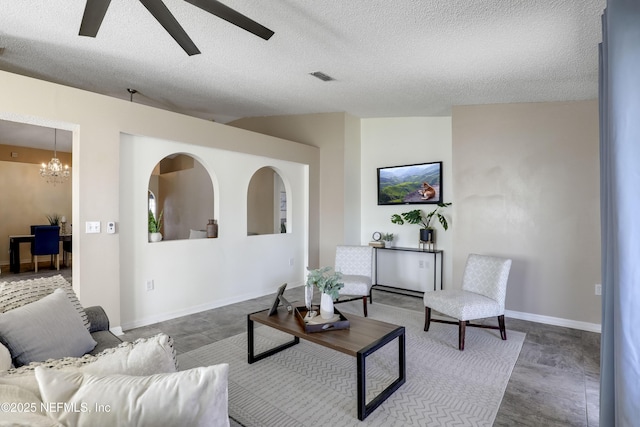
461, 329
57, 261
35, 262
427, 318
364, 305
503, 329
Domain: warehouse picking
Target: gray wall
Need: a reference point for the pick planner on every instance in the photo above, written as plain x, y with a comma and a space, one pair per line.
526, 180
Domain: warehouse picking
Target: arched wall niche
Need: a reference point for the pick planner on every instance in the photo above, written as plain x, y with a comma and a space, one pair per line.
268, 204
185, 192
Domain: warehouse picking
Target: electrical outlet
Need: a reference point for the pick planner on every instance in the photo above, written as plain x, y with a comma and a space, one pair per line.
149, 285
421, 263
598, 289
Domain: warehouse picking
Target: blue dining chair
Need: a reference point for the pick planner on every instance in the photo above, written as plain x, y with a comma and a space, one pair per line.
46, 242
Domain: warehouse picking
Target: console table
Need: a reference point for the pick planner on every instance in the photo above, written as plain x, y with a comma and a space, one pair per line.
427, 252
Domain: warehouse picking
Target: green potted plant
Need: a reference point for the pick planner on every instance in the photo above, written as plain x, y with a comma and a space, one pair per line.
329, 284
416, 216
155, 224
387, 238
54, 219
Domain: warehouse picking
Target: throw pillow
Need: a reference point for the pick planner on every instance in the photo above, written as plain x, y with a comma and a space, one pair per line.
144, 356
22, 292
49, 328
5, 358
196, 397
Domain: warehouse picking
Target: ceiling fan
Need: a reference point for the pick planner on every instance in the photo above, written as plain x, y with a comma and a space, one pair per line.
96, 9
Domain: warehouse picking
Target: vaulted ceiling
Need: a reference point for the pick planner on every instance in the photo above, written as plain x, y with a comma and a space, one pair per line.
389, 58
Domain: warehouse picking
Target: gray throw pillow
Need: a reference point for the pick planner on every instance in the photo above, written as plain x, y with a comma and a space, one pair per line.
49, 328
22, 292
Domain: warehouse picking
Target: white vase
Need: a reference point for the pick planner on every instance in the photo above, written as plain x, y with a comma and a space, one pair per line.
155, 237
326, 306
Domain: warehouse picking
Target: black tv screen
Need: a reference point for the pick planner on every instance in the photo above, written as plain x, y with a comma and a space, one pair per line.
410, 184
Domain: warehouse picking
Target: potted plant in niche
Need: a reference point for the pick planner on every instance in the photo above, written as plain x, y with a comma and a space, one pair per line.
416, 216
154, 227
328, 283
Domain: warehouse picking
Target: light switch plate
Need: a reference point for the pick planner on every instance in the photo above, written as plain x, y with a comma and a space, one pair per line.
92, 227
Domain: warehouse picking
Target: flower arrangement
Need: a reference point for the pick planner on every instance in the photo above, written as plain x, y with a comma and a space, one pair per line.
326, 280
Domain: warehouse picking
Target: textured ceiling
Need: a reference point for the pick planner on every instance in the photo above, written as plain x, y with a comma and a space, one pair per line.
389, 58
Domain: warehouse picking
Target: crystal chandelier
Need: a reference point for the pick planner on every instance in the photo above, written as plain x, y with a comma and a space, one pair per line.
54, 172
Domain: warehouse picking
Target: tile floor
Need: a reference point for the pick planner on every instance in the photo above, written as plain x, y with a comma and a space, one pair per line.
555, 381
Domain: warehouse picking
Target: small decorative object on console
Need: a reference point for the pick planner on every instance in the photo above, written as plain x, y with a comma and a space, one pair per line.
377, 240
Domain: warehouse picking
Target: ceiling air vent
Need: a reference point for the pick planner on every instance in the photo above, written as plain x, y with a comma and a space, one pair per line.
322, 76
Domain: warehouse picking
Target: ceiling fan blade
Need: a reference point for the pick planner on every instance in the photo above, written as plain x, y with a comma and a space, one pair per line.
94, 12
169, 22
221, 11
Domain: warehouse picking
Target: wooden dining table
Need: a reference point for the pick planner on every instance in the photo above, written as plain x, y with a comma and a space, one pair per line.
14, 248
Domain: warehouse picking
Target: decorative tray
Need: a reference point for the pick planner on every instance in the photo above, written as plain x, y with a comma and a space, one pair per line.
317, 323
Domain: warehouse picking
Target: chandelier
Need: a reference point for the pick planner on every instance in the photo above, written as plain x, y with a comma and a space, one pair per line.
54, 172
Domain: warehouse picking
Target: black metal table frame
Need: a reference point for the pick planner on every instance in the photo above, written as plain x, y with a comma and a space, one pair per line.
401, 291
364, 409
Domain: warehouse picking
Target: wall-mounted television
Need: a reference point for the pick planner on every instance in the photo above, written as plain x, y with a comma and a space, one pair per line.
410, 184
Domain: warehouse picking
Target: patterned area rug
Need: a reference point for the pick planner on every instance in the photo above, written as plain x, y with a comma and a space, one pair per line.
311, 385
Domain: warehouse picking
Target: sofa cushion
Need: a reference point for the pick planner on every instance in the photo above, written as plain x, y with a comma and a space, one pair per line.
49, 328
28, 409
16, 294
144, 356
196, 397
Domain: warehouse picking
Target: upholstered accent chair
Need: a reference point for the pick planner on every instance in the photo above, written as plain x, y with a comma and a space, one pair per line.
484, 288
46, 241
356, 265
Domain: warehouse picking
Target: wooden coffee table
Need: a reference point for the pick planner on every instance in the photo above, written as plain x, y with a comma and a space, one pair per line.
362, 339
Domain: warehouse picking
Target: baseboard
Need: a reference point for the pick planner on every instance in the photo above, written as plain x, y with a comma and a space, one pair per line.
556, 321
116, 331
150, 320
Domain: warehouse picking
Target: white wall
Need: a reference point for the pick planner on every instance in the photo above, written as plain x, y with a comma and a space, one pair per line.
337, 137
401, 141
97, 123
193, 275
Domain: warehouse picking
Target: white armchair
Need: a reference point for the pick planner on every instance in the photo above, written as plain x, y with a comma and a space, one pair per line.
484, 288
356, 265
